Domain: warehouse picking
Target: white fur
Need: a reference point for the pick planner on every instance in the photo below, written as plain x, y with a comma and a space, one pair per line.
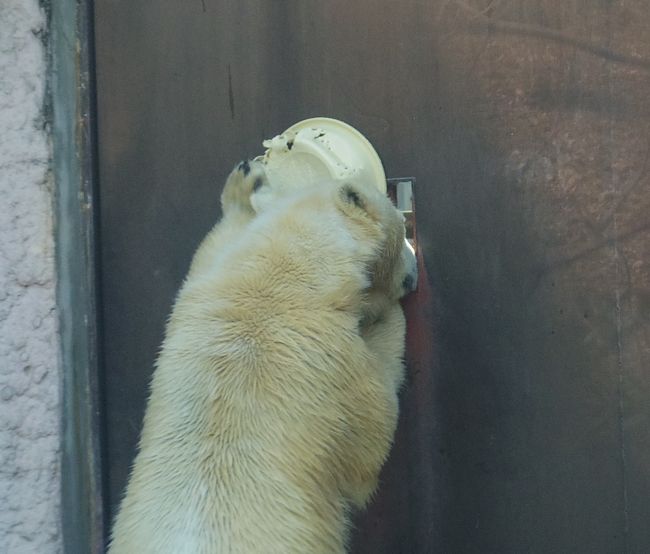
274, 399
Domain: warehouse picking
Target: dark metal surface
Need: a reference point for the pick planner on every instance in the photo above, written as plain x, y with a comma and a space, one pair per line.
525, 427
74, 168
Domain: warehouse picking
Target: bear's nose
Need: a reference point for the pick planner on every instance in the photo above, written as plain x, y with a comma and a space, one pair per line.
409, 283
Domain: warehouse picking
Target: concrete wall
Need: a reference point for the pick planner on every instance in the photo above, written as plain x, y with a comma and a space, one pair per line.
29, 369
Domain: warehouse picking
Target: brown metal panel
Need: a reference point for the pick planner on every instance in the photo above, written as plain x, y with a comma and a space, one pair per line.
525, 425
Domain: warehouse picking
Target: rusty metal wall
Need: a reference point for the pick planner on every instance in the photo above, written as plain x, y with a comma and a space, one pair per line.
526, 122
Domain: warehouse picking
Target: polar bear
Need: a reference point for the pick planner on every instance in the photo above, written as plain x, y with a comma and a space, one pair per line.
274, 399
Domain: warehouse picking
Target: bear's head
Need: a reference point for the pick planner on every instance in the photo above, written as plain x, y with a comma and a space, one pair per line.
394, 271
371, 216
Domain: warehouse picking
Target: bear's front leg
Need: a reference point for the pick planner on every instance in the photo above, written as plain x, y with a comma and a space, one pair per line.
374, 422
247, 177
385, 339
373, 407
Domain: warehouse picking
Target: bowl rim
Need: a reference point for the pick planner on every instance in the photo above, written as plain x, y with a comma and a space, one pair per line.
376, 167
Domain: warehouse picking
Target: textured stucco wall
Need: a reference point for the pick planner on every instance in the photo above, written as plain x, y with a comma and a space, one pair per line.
29, 378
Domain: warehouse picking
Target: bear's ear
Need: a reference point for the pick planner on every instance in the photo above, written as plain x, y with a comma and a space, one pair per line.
353, 201
350, 195
361, 203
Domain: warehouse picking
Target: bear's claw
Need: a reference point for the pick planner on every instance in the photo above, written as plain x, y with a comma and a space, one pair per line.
247, 177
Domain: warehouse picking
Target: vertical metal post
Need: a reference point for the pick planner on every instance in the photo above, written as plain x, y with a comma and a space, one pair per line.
72, 95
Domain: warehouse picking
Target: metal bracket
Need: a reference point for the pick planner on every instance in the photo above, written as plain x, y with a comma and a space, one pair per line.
401, 190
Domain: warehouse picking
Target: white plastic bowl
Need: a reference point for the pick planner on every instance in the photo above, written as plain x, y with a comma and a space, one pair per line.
321, 148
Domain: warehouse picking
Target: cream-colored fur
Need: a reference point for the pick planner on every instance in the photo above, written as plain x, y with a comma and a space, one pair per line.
274, 399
